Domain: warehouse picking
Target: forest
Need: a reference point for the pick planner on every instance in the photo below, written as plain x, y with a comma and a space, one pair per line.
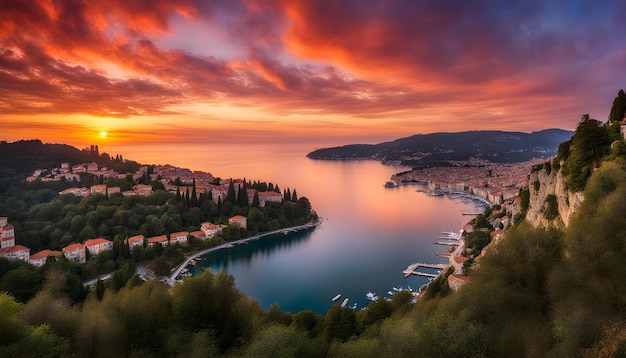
539, 292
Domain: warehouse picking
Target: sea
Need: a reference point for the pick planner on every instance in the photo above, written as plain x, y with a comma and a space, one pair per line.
369, 233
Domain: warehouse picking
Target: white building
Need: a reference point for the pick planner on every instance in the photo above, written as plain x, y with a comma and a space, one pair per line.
17, 252
96, 246
179, 237
238, 221
210, 229
40, 258
134, 241
75, 252
7, 233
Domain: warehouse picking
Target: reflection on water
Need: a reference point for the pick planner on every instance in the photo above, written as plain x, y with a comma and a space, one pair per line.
245, 253
368, 236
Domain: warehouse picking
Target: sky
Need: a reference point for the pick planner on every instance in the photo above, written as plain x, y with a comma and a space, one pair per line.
336, 72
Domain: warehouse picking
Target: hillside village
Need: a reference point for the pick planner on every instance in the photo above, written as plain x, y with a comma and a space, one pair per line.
167, 175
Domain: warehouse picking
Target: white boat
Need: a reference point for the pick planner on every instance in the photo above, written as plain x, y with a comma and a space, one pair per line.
371, 296
336, 297
344, 303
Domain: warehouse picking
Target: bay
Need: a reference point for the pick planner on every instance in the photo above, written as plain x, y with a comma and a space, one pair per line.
369, 233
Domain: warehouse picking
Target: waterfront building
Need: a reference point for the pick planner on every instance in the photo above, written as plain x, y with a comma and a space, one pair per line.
210, 229
161, 239
198, 234
238, 221
179, 237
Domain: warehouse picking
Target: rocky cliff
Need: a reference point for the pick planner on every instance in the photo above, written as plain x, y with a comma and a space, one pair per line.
542, 184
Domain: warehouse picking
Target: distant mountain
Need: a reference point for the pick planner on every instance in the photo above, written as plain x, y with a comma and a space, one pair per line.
23, 156
444, 149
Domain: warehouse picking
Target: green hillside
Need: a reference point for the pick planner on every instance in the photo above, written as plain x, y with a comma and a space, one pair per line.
536, 293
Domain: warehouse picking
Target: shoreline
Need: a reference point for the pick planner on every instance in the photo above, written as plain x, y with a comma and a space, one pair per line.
171, 278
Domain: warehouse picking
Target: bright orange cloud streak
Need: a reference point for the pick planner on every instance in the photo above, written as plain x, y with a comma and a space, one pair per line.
321, 69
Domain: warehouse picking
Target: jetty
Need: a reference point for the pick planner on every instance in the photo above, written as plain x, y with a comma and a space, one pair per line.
446, 243
443, 255
172, 278
411, 270
472, 213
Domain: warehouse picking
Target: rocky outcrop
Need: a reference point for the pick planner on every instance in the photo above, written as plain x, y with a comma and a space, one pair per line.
542, 184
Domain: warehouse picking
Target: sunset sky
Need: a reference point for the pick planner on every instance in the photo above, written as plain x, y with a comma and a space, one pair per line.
335, 72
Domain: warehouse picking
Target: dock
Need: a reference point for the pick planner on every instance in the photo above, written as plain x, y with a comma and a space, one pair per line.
443, 255
412, 267
470, 213
446, 243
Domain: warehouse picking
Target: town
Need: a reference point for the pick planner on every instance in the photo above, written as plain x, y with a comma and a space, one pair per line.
492, 182
175, 180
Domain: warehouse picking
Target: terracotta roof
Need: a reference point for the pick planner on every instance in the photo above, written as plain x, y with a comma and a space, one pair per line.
15, 248
96, 241
135, 238
460, 259
197, 233
157, 238
176, 234
45, 253
269, 193
237, 217
74, 247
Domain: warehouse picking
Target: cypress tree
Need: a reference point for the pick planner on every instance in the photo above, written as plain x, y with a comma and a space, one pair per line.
194, 195
255, 200
230, 196
242, 196
210, 197
618, 109
187, 197
287, 195
294, 196
178, 197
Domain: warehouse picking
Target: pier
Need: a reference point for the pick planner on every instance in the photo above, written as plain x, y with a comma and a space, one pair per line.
412, 267
470, 213
443, 255
446, 243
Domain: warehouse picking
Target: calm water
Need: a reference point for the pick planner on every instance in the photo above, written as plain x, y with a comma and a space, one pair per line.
368, 236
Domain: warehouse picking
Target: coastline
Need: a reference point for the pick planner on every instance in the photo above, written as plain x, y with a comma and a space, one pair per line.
171, 279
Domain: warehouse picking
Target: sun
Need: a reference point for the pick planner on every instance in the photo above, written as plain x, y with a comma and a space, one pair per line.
103, 134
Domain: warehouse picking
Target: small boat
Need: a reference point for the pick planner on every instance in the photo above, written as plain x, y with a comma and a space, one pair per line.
230, 246
344, 303
371, 296
336, 297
